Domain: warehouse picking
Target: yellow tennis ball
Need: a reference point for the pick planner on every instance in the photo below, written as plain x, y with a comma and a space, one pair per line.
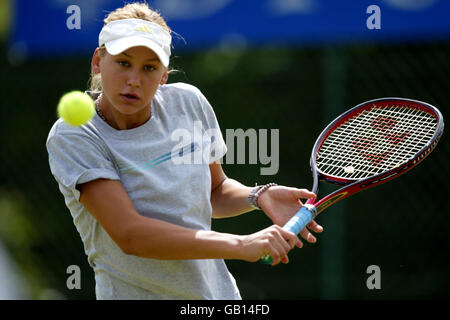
76, 108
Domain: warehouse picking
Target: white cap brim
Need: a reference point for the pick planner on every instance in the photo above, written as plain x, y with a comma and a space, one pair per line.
118, 46
120, 35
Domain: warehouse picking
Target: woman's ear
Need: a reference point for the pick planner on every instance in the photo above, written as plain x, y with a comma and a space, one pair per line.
95, 64
165, 77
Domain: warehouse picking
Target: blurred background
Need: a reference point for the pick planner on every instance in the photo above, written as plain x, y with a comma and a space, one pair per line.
292, 65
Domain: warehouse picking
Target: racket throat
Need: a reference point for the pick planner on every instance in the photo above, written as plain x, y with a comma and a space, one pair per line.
311, 208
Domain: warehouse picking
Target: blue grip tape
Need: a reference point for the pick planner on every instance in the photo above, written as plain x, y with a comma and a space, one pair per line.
303, 216
299, 220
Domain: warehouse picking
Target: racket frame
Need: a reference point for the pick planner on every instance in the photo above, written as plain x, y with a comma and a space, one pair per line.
352, 186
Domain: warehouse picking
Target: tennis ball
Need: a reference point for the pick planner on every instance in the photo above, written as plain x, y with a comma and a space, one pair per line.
76, 108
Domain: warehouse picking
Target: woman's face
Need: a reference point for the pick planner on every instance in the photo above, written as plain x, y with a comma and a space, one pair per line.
130, 79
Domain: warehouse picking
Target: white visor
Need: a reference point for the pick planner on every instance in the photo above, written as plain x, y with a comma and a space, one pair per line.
120, 35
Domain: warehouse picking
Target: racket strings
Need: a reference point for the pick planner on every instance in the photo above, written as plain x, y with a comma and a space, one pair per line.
375, 140
368, 142
365, 146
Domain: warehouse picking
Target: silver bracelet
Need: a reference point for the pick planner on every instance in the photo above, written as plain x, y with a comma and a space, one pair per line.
251, 197
256, 193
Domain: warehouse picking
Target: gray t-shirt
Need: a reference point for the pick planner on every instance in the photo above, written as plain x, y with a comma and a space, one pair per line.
164, 166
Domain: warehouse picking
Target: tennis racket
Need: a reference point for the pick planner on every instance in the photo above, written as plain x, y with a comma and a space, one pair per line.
370, 144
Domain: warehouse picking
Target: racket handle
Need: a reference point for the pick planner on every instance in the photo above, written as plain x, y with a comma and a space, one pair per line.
296, 224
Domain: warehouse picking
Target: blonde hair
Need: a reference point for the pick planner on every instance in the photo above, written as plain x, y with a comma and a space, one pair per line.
136, 10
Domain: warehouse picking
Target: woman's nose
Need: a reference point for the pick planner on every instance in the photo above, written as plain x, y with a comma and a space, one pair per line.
134, 79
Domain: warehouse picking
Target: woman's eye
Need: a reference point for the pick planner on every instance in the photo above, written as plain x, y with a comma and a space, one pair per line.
149, 68
123, 63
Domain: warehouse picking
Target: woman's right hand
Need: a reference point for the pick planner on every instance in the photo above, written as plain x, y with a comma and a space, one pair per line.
274, 241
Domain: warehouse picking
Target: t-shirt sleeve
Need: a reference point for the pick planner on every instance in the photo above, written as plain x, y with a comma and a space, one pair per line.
218, 147
76, 159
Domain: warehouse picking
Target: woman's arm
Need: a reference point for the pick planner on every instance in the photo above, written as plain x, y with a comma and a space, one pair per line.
145, 237
229, 198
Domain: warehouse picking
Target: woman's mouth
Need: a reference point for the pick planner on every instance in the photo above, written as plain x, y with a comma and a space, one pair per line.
129, 97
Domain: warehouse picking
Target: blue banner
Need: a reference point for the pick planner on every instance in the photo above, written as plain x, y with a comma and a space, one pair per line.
62, 27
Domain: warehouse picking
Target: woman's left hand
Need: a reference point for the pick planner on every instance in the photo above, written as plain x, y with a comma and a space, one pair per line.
281, 203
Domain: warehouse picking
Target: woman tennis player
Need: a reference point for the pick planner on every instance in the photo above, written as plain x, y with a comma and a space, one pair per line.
143, 213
